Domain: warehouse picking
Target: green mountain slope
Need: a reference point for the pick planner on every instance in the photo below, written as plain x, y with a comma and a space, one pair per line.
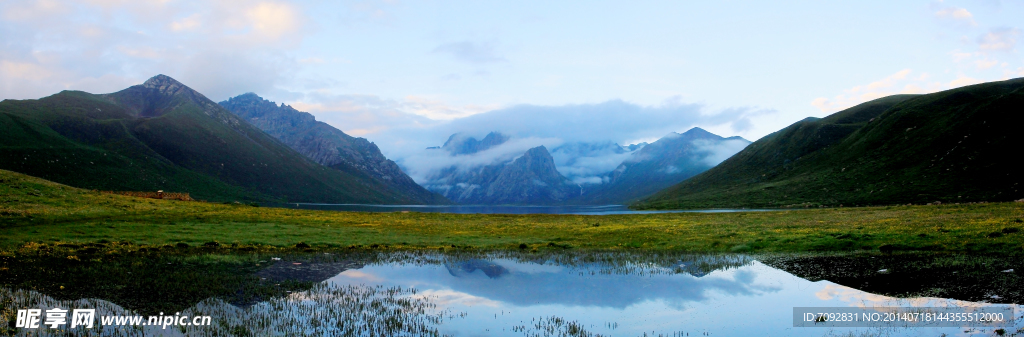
959, 145
164, 135
326, 144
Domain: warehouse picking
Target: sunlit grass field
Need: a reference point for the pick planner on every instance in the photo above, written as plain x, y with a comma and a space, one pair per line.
35, 210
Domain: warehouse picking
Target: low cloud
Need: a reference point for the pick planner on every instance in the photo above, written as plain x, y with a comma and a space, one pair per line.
401, 129
615, 121
404, 128
422, 165
588, 124
587, 163
720, 151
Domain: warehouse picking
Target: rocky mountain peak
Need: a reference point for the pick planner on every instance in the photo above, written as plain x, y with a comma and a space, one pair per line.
161, 94
698, 132
461, 144
539, 152
166, 85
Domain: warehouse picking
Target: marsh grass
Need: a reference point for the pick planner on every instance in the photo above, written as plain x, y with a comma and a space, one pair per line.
145, 279
321, 310
968, 277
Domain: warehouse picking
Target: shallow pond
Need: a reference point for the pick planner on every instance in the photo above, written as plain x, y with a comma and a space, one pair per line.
489, 209
606, 294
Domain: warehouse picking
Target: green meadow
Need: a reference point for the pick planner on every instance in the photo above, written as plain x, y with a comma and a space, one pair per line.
35, 210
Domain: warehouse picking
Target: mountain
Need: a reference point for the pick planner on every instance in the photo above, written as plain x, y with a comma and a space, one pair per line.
461, 144
326, 144
661, 164
529, 179
162, 135
958, 145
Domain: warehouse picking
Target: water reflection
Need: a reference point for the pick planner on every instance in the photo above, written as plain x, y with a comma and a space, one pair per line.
466, 268
527, 283
505, 294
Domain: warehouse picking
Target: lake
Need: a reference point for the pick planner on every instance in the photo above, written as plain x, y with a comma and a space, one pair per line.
598, 294
489, 209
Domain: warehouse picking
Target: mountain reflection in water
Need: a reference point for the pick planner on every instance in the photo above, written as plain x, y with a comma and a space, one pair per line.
567, 294
463, 269
737, 297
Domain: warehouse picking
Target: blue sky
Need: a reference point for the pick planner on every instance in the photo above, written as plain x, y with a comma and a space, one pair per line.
405, 74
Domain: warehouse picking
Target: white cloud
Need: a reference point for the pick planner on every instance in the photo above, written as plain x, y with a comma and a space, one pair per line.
999, 39
219, 48
720, 151
362, 115
960, 56
188, 23
586, 163
34, 11
897, 83
593, 180
274, 20
530, 126
423, 164
439, 110
962, 81
986, 63
957, 15
447, 298
404, 128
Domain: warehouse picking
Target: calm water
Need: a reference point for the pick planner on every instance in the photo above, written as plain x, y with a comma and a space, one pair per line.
751, 299
414, 294
487, 209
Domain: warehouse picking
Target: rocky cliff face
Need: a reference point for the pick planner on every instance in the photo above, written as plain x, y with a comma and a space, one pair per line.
325, 144
461, 144
530, 179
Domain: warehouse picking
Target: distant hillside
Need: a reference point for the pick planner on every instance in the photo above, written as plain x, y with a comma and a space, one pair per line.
958, 145
529, 179
162, 135
326, 144
661, 164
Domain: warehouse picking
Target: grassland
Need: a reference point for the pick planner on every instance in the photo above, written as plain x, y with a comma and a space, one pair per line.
35, 210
